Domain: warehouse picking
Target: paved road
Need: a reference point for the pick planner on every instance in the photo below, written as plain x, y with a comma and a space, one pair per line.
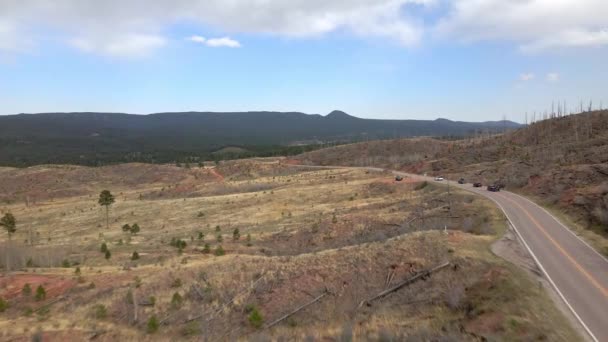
577, 272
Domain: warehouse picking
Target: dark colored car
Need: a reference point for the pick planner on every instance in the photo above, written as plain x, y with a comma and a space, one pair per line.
398, 178
493, 188
477, 185
461, 181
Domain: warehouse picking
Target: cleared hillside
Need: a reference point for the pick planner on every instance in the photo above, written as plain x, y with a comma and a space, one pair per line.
563, 162
261, 237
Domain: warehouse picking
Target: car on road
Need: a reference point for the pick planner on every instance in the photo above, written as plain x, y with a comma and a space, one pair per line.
398, 178
493, 188
439, 179
477, 185
461, 181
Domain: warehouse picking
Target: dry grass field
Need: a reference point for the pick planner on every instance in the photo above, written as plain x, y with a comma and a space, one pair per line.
339, 236
562, 163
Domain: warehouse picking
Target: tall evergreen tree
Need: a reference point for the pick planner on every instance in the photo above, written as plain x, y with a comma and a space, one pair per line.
106, 199
9, 223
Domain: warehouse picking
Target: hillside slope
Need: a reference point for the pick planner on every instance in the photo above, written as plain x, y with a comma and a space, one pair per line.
562, 161
101, 138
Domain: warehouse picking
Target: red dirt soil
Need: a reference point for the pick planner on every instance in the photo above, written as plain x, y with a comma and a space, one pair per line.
217, 175
11, 286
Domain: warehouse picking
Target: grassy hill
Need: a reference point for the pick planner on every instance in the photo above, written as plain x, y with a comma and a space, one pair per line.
563, 162
302, 233
104, 138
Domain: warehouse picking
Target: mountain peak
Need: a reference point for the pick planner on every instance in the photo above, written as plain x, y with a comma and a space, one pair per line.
338, 114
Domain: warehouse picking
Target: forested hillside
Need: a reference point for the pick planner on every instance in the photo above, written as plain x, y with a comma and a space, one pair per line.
105, 138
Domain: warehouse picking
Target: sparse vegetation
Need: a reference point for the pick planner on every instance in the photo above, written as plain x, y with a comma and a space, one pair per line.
295, 257
26, 290
176, 300
152, 325
99, 311
219, 251
40, 293
3, 305
255, 318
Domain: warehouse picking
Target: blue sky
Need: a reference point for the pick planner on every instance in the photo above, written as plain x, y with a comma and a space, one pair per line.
401, 59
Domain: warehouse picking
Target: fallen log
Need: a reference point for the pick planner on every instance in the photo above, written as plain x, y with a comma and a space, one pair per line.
404, 283
318, 298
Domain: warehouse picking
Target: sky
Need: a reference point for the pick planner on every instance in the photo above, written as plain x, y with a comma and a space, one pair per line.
469, 60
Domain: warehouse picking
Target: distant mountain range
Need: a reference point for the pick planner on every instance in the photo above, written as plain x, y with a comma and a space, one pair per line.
99, 138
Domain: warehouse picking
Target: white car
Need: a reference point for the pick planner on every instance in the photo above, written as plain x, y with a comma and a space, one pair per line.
439, 179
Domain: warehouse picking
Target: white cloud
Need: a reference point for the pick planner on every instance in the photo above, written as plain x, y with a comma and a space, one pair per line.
534, 25
552, 77
571, 38
197, 39
216, 42
525, 77
136, 27
128, 45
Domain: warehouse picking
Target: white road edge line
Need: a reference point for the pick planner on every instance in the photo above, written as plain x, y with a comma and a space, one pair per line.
561, 224
543, 269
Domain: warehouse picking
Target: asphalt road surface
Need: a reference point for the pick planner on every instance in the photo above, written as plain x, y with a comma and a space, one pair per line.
576, 271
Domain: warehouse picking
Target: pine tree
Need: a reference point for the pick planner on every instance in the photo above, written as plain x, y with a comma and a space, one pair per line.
9, 223
106, 199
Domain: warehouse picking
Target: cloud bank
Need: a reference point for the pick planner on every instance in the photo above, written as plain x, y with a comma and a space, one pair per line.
138, 27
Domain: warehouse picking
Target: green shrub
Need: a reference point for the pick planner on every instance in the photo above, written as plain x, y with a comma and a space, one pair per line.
126, 228
40, 293
103, 248
99, 311
29, 263
219, 251
207, 249
135, 256
3, 305
26, 290
177, 300
135, 229
108, 255
255, 318
176, 283
77, 271
219, 238
65, 263
152, 325
236, 234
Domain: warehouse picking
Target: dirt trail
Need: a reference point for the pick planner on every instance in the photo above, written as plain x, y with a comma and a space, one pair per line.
217, 175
